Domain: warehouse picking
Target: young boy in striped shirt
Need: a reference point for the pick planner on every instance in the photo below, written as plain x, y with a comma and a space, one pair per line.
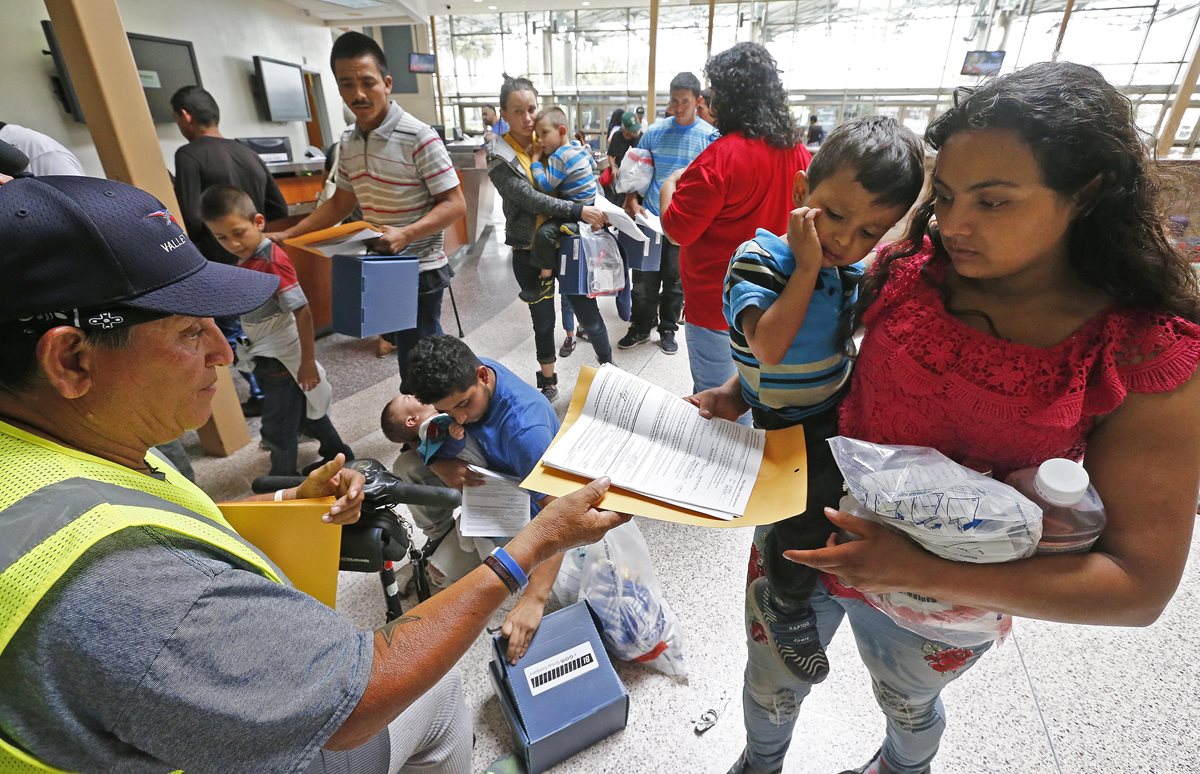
569, 172
788, 300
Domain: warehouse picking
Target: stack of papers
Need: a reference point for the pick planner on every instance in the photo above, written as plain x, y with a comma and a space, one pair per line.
496, 508
346, 244
652, 442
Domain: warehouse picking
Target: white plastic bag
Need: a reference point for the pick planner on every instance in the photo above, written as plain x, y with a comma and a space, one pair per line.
636, 172
602, 256
950, 510
615, 575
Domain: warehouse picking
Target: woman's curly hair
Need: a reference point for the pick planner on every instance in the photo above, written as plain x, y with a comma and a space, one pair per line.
1082, 133
748, 96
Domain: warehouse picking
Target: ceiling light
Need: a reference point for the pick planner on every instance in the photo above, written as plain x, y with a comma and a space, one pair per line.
355, 3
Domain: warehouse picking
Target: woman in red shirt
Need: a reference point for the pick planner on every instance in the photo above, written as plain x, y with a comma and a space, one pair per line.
1046, 315
740, 183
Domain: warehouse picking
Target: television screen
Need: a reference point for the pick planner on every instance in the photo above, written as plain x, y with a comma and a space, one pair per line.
164, 66
63, 88
982, 62
283, 91
422, 63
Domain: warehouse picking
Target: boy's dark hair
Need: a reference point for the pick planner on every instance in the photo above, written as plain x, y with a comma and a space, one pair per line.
219, 201
888, 159
511, 84
439, 366
352, 45
199, 104
557, 116
706, 95
686, 81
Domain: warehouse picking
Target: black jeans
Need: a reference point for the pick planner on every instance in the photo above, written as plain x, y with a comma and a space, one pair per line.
284, 414
542, 315
544, 254
431, 285
792, 584
658, 295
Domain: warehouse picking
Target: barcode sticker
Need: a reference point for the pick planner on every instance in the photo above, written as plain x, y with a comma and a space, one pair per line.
560, 668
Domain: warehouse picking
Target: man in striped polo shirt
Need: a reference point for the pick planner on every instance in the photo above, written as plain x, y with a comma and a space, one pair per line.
399, 172
673, 143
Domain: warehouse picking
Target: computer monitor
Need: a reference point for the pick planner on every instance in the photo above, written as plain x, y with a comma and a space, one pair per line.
164, 66
281, 86
982, 62
422, 63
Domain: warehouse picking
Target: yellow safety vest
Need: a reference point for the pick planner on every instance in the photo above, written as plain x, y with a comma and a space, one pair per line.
56, 503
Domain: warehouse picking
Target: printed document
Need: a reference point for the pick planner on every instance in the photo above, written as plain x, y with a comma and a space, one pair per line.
498, 508
621, 220
655, 443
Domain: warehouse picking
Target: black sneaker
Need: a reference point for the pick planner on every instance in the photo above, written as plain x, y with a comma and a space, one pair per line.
568, 346
794, 641
544, 290
632, 339
876, 766
741, 767
548, 385
252, 407
667, 343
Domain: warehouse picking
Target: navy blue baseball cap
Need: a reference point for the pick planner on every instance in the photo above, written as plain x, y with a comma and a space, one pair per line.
79, 249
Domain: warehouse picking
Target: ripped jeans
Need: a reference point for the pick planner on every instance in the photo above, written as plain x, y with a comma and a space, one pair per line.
908, 673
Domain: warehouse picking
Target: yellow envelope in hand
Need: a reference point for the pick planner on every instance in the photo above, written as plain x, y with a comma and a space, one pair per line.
780, 491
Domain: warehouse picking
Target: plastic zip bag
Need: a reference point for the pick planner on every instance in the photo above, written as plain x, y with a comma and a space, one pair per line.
616, 576
947, 509
636, 173
602, 256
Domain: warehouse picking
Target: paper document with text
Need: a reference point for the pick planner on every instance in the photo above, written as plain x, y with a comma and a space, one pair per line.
496, 508
653, 442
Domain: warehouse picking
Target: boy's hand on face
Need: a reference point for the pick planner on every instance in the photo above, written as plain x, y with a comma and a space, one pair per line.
802, 238
457, 431
307, 376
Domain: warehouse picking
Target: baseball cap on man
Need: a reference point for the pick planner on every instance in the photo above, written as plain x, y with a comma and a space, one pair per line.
82, 244
629, 121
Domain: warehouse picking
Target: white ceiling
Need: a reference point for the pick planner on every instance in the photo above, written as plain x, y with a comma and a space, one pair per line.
357, 13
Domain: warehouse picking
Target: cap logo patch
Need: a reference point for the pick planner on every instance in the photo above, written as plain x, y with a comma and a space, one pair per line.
166, 216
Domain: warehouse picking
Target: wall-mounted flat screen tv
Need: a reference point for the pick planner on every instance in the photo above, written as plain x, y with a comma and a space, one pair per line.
422, 63
282, 89
982, 62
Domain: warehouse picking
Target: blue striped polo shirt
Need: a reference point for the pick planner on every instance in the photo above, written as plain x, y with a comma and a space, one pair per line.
569, 173
672, 147
816, 369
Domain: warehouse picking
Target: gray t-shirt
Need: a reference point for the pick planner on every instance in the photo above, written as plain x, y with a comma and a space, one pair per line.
155, 653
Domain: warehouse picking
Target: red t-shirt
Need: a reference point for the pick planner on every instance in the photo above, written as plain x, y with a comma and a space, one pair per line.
736, 186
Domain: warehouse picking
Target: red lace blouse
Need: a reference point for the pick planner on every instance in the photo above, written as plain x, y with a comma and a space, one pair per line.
926, 378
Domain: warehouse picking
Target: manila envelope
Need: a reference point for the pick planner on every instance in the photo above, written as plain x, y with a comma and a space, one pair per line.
293, 536
325, 234
779, 493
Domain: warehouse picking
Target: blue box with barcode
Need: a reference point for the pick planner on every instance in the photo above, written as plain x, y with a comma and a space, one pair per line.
643, 256
564, 695
374, 293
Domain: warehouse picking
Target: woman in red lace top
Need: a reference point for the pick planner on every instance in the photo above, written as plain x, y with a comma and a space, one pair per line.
1046, 314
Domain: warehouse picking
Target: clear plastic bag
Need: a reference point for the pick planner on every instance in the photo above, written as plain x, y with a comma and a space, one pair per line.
636, 173
602, 256
615, 575
949, 510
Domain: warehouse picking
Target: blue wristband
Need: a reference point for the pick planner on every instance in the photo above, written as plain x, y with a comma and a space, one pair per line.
511, 565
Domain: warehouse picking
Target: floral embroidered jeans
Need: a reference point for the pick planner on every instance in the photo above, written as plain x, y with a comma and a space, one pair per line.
908, 673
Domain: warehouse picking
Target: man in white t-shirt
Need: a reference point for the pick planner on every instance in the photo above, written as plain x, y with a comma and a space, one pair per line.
47, 156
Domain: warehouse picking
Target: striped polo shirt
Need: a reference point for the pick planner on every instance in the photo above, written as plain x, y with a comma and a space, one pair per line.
816, 369
569, 173
394, 172
672, 147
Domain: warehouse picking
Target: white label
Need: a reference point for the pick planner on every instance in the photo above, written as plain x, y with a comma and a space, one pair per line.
150, 79
560, 668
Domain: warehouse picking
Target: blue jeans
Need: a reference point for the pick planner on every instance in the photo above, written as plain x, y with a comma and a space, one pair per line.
624, 305
429, 322
901, 663
542, 315
710, 360
285, 413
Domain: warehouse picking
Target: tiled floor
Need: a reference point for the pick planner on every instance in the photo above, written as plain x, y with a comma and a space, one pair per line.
1053, 698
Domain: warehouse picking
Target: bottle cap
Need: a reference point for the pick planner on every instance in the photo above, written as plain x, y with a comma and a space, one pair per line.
1061, 482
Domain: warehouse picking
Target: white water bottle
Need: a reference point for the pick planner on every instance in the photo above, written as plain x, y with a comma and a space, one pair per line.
1072, 514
